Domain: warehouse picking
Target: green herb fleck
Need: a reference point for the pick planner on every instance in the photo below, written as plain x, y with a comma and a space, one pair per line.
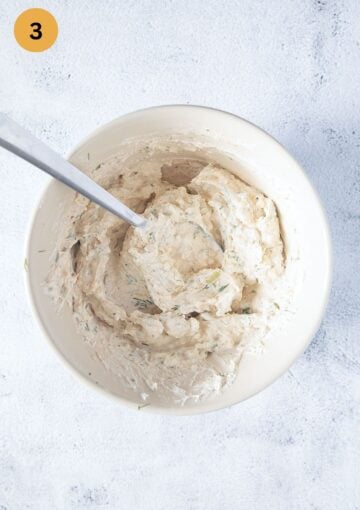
141, 406
130, 279
142, 303
246, 310
26, 264
88, 156
223, 287
174, 308
41, 251
277, 306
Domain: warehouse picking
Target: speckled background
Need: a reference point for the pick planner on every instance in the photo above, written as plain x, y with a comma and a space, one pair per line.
291, 67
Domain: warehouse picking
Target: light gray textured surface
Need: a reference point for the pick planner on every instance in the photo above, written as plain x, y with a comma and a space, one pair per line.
291, 67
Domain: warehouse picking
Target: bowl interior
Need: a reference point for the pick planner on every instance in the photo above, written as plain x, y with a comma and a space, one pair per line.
259, 160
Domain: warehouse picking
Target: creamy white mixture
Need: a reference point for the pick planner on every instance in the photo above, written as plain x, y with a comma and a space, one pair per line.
170, 308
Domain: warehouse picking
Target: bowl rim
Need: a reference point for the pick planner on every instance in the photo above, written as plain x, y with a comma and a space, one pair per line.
177, 411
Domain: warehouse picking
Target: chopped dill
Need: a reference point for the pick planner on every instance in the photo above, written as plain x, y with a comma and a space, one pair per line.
141, 406
142, 303
246, 310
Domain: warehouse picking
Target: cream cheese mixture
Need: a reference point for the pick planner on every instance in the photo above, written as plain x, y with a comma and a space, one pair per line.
171, 307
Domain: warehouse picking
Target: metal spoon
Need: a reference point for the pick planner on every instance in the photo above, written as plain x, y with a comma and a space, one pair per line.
19, 141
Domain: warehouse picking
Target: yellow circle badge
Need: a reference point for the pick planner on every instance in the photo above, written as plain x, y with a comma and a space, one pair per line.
36, 30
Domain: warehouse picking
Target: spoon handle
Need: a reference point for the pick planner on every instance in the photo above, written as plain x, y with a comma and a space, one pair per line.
20, 142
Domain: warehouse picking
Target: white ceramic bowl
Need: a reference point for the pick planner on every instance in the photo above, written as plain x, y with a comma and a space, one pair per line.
259, 160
